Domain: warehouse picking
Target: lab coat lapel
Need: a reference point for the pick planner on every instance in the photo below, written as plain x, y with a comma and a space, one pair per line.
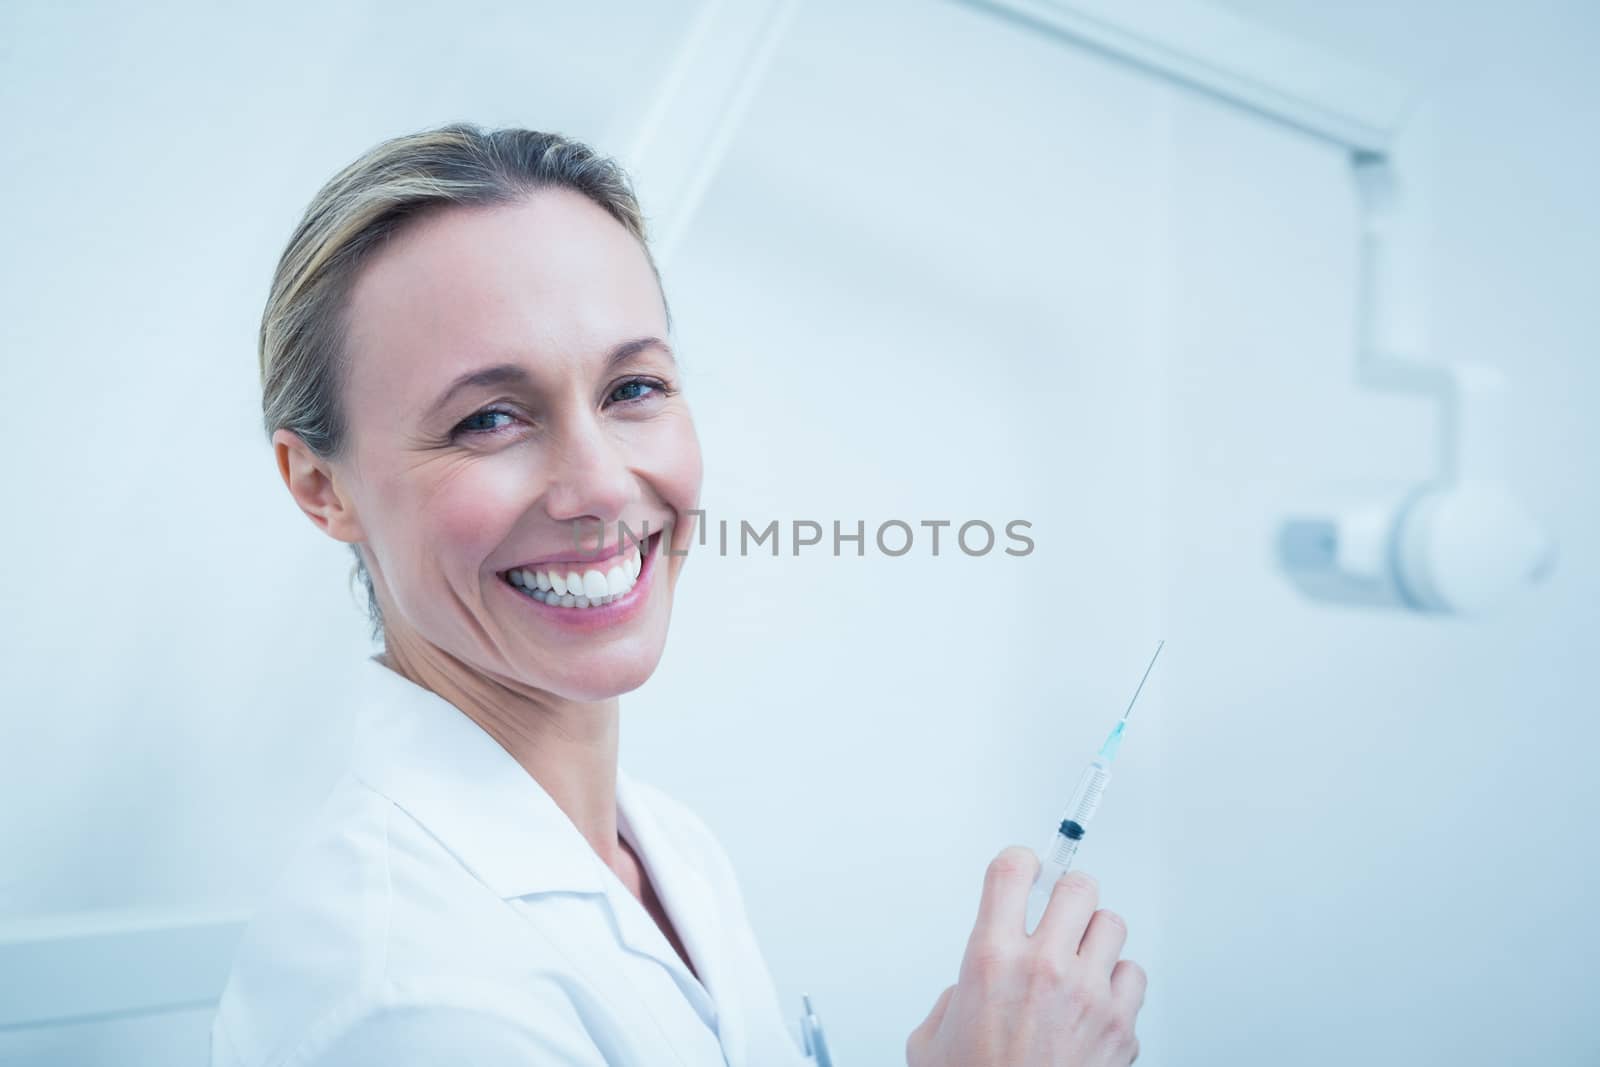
690, 901
437, 764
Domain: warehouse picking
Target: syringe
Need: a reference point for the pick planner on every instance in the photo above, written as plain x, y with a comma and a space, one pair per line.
1075, 822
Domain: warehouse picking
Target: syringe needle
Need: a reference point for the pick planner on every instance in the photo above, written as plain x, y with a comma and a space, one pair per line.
1139, 690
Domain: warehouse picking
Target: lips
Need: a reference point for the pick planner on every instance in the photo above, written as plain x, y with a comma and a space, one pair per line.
585, 559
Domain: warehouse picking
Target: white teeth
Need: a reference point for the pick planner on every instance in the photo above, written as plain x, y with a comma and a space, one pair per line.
591, 588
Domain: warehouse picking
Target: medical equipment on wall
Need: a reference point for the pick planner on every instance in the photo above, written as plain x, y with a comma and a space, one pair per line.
1085, 799
1460, 542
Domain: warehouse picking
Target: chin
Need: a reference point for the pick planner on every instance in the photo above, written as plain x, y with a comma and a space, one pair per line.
602, 681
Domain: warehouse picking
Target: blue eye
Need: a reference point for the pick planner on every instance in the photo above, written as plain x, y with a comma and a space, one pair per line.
464, 426
632, 391
639, 383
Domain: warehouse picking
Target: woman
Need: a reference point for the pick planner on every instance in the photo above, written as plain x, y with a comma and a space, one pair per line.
468, 378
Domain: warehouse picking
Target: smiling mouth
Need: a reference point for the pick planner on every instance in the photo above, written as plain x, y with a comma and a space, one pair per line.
584, 585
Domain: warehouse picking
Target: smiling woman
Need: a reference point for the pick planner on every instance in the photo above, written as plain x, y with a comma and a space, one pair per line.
466, 372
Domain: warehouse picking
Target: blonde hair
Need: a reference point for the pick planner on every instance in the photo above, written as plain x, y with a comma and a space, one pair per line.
303, 329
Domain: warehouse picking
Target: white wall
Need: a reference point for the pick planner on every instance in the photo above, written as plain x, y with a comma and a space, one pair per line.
951, 270
1397, 868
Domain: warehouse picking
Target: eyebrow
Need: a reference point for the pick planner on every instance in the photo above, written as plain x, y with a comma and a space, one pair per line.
499, 374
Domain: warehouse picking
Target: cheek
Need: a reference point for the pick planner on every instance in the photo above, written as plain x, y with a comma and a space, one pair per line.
464, 516
676, 465
675, 475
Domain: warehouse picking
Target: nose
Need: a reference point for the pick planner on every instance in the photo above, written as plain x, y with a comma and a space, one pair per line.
589, 478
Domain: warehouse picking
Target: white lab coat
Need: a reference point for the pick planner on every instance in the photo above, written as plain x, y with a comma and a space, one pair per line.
443, 910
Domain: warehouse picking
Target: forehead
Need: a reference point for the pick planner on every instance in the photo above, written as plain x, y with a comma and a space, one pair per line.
552, 278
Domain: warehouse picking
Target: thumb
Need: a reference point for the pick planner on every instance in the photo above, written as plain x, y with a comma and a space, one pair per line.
929, 1026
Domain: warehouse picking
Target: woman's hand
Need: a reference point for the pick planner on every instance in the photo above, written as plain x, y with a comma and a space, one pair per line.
1056, 998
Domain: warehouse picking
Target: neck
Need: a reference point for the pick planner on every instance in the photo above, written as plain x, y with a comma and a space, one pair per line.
568, 746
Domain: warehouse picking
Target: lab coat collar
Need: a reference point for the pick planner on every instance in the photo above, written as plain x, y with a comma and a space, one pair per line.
435, 763
443, 769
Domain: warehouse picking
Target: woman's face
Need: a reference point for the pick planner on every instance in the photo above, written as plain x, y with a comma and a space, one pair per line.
580, 430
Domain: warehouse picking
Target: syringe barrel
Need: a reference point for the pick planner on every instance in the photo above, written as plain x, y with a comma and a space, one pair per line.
1086, 798
1056, 861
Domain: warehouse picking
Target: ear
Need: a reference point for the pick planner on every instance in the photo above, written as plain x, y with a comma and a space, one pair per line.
314, 485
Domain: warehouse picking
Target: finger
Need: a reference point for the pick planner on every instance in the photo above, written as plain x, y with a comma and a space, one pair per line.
1002, 912
1103, 940
928, 1027
1128, 984
1066, 916
936, 1016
